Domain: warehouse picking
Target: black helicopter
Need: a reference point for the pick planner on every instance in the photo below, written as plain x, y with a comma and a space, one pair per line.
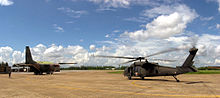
149, 69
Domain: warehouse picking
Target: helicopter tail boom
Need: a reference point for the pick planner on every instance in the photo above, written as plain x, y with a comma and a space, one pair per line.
189, 60
188, 64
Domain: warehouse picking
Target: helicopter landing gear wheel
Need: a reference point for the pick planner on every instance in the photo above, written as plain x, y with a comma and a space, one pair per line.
176, 78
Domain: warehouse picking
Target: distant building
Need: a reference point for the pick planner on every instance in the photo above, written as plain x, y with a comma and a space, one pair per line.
213, 67
4, 68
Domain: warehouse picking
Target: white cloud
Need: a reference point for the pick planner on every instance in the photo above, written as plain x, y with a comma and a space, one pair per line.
170, 23
116, 31
107, 35
206, 18
217, 51
72, 13
112, 4
218, 26
217, 61
161, 10
6, 2
177, 39
54, 51
208, 45
18, 57
58, 28
59, 53
139, 19
218, 5
5, 54
92, 47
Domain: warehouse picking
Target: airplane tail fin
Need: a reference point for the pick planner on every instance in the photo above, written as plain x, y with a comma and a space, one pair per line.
188, 64
28, 56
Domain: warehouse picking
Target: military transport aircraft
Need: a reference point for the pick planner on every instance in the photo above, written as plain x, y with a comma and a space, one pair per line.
39, 68
149, 69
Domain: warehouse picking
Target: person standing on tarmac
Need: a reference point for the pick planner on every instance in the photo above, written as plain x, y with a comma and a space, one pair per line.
9, 74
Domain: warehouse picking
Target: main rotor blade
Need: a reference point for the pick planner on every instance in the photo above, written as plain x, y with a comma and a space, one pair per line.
165, 51
163, 60
128, 61
67, 63
123, 57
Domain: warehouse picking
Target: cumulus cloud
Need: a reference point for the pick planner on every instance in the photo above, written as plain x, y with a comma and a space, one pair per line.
206, 43
92, 47
218, 50
218, 26
173, 21
17, 57
208, 54
217, 61
5, 54
6, 2
56, 54
72, 13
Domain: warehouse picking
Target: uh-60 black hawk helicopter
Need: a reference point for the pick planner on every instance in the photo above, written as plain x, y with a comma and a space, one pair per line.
149, 69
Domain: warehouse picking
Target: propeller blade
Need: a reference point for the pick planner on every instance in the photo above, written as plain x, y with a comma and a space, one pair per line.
165, 51
115, 57
67, 63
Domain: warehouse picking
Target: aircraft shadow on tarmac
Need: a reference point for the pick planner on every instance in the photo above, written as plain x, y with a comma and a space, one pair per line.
186, 82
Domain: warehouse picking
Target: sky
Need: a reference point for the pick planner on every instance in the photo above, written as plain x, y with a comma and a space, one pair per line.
75, 30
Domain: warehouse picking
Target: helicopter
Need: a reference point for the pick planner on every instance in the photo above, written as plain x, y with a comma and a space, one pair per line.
149, 69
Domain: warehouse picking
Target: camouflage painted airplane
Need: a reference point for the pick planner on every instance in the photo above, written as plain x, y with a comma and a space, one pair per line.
37, 67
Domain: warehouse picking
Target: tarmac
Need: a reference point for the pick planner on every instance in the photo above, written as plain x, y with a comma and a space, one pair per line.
101, 84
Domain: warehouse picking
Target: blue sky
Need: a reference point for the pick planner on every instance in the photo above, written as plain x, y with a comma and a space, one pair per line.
32, 22
110, 27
